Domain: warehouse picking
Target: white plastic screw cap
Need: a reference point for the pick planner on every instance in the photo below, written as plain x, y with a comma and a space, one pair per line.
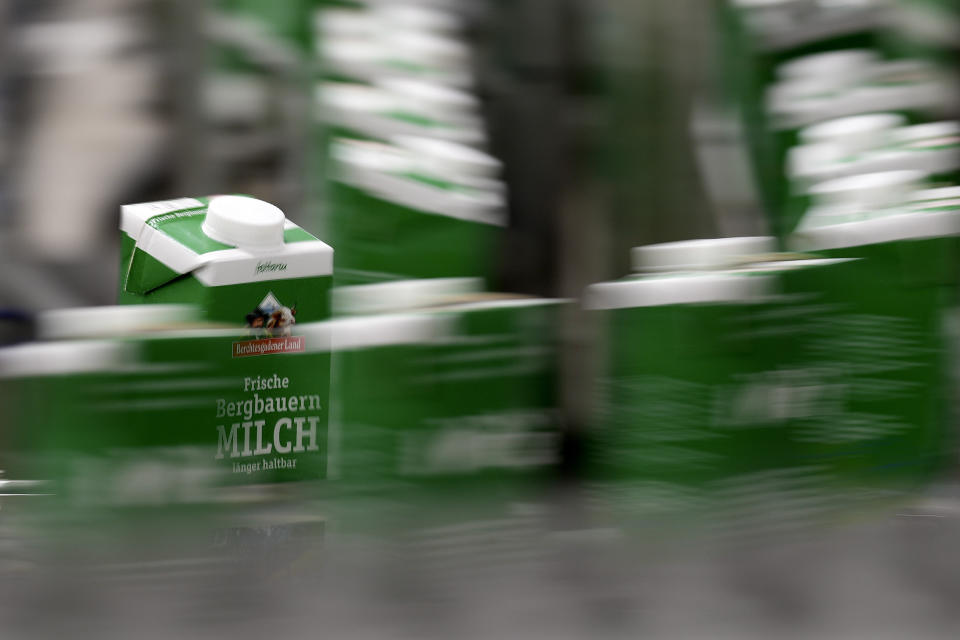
847, 63
424, 19
854, 134
926, 131
375, 156
808, 160
694, 255
348, 97
447, 158
422, 95
344, 23
940, 193
869, 190
244, 222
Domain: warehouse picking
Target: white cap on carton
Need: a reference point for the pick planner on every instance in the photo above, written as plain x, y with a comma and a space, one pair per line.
411, 17
430, 97
428, 50
939, 193
372, 155
449, 159
697, 255
244, 222
360, 56
845, 63
869, 190
926, 131
855, 134
785, 93
334, 23
907, 69
349, 97
809, 160
376, 110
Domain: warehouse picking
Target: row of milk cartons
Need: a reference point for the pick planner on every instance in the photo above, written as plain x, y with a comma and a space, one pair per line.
737, 371
222, 370
408, 188
798, 71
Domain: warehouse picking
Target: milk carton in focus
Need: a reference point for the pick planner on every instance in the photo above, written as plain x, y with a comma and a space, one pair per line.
254, 393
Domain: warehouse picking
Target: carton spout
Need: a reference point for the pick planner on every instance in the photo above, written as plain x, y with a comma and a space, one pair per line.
246, 223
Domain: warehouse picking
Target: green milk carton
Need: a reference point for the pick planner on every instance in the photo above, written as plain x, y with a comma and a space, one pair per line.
494, 424
258, 411
674, 348
710, 367
160, 429
48, 386
422, 208
237, 258
247, 268
451, 399
391, 107
221, 406
757, 37
44, 387
861, 126
889, 330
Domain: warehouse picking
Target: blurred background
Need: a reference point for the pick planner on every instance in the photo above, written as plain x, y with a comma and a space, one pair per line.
753, 435
110, 102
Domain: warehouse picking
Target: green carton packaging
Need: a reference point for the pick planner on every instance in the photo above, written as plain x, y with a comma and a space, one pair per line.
44, 387
757, 37
888, 336
258, 411
236, 258
161, 429
789, 64
496, 386
924, 28
430, 210
859, 124
208, 407
266, 281
450, 402
256, 35
392, 107
676, 343
712, 369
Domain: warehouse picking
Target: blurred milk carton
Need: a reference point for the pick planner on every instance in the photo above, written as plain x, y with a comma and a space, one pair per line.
422, 208
710, 367
888, 335
135, 404
676, 342
442, 393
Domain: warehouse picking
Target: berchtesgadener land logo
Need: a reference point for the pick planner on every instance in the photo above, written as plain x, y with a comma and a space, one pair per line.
271, 327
